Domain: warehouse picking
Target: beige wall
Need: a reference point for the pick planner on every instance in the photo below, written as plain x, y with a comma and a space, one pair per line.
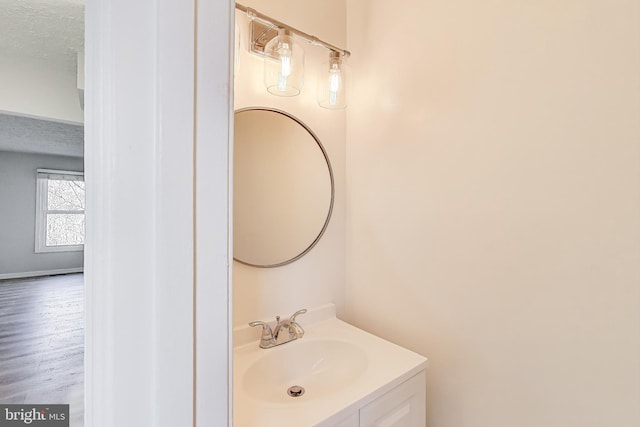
493, 211
39, 88
318, 277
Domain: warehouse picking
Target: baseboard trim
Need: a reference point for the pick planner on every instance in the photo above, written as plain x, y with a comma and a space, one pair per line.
41, 273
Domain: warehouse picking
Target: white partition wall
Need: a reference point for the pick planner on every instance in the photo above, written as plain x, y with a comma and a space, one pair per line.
147, 345
214, 127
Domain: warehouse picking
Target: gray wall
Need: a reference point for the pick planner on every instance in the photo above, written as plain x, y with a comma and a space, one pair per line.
18, 211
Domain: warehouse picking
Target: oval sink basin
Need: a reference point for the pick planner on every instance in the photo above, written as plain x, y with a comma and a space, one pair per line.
319, 366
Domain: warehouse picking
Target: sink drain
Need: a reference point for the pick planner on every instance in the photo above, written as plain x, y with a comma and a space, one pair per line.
295, 391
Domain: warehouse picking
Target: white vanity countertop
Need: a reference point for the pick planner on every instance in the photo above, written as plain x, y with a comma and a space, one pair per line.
376, 367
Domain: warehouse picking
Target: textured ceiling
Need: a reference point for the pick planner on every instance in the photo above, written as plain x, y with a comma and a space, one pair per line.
27, 135
44, 29
52, 31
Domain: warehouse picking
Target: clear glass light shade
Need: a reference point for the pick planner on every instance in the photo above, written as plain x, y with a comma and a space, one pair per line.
333, 83
283, 65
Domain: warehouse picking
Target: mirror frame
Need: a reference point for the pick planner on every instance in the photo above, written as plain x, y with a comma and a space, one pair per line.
333, 189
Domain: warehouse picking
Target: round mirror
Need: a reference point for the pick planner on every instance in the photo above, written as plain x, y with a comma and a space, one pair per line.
282, 188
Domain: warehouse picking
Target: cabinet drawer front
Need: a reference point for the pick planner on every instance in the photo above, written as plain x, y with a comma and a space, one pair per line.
351, 420
404, 406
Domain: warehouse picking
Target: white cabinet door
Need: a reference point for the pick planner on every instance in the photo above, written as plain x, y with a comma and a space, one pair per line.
351, 421
404, 406
341, 420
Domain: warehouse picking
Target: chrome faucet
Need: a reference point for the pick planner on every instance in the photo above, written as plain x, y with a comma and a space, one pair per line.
273, 337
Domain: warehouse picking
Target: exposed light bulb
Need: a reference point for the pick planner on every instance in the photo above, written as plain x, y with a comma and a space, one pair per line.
334, 84
285, 67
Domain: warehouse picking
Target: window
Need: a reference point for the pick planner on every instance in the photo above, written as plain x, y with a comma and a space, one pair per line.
59, 211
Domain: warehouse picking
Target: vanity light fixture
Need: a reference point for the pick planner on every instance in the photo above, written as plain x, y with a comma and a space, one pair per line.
284, 60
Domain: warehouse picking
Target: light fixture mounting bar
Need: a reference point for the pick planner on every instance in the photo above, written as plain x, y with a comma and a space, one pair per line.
261, 34
254, 14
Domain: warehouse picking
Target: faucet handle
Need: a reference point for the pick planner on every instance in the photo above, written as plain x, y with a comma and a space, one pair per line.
294, 315
266, 338
297, 329
266, 329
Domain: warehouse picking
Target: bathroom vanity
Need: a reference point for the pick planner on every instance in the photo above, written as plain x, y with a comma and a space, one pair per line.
310, 368
336, 375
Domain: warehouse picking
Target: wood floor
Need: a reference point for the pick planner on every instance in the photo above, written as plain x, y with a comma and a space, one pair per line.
42, 342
